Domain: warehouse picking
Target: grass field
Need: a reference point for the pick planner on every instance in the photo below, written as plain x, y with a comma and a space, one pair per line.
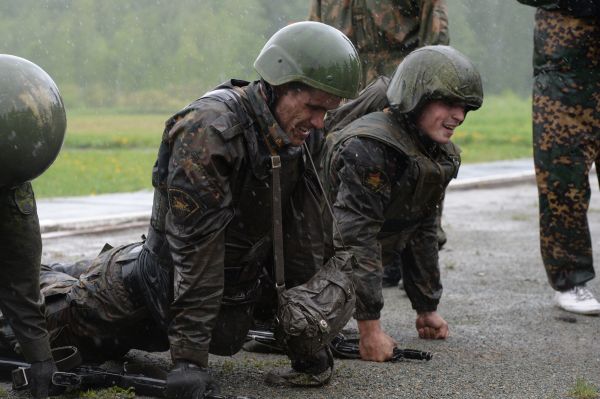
108, 151
501, 129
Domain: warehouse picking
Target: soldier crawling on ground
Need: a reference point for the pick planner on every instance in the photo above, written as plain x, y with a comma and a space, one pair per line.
206, 266
384, 32
386, 172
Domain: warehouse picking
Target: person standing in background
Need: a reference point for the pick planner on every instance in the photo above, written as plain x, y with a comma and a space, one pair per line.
566, 142
32, 129
384, 32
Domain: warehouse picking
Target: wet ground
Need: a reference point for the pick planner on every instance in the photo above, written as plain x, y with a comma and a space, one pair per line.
506, 340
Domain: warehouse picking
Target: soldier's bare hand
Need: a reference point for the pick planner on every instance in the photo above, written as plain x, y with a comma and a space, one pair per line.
375, 345
431, 325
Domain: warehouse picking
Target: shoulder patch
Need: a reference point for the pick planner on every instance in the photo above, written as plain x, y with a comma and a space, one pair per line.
182, 204
24, 199
374, 179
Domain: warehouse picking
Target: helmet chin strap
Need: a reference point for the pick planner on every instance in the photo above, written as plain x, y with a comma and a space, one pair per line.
270, 95
329, 206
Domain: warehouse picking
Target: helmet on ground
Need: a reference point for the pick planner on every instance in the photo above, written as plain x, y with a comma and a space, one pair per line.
32, 120
313, 53
434, 73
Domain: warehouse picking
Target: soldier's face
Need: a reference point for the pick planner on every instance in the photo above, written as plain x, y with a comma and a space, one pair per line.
438, 120
299, 111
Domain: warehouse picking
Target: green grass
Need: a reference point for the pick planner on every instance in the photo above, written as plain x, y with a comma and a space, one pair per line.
584, 390
105, 151
113, 151
500, 129
111, 130
91, 172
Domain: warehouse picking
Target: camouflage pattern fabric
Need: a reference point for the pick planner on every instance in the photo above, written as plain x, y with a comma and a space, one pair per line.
566, 140
21, 248
384, 31
210, 227
90, 306
384, 180
212, 211
372, 99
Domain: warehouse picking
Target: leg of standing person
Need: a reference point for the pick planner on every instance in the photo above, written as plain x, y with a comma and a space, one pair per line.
20, 300
566, 140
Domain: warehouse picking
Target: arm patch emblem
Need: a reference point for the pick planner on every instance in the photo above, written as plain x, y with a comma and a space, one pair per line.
182, 204
374, 179
24, 199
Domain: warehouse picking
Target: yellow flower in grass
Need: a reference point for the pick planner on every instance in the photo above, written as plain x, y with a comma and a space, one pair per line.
477, 136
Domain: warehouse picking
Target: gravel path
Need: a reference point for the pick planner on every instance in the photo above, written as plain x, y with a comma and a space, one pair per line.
506, 339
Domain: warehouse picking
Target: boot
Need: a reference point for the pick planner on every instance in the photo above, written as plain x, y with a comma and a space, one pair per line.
314, 371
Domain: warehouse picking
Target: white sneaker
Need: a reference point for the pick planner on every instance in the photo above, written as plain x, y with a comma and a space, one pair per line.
577, 300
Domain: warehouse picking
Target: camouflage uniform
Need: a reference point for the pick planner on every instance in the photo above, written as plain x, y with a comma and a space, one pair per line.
385, 31
21, 249
566, 137
212, 209
210, 233
372, 99
385, 181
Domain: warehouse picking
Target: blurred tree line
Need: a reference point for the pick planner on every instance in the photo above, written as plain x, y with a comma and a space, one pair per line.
157, 55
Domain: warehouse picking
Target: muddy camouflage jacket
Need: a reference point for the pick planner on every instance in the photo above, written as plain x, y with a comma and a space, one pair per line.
385, 182
212, 206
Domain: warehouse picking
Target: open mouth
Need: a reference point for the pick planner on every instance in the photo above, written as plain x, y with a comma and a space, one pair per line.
450, 127
302, 132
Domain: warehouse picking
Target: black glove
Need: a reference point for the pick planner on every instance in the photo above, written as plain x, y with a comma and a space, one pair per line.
188, 381
41, 377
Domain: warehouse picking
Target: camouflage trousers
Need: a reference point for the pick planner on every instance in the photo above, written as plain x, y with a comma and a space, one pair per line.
566, 141
380, 63
97, 306
90, 306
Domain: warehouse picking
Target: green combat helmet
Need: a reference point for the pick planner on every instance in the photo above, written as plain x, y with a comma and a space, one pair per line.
312, 53
32, 120
434, 73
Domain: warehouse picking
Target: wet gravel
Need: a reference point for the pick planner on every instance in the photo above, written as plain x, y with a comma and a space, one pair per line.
506, 340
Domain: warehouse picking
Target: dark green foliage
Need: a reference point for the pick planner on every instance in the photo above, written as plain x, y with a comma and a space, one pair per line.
155, 54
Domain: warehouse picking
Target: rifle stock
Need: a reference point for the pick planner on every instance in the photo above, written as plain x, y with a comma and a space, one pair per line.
88, 377
85, 377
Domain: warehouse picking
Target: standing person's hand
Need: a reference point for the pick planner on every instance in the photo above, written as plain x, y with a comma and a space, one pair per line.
431, 325
375, 345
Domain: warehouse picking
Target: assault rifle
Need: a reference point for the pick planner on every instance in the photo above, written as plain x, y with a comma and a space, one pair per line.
341, 346
84, 377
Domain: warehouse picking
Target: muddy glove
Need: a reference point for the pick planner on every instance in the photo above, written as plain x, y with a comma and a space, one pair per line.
188, 381
41, 376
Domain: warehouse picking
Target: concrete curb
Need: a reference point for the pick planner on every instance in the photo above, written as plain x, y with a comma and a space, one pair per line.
120, 214
55, 228
91, 225
508, 179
